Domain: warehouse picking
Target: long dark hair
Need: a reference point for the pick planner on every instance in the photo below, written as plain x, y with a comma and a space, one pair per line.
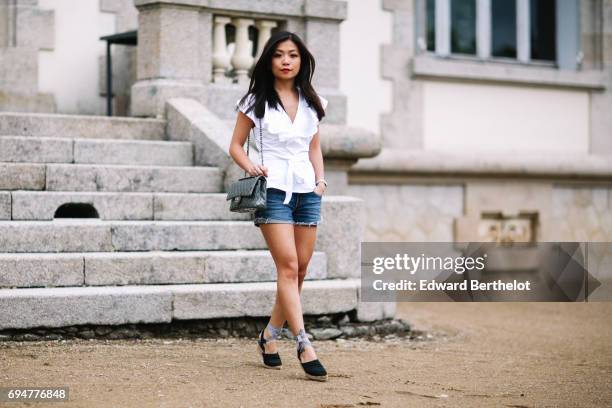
262, 78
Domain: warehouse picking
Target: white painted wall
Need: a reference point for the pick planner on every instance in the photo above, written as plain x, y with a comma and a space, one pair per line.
470, 117
71, 70
366, 28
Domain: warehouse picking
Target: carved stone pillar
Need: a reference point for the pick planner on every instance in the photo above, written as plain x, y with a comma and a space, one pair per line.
265, 31
242, 59
221, 59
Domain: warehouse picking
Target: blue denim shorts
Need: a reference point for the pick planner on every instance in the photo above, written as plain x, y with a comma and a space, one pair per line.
302, 209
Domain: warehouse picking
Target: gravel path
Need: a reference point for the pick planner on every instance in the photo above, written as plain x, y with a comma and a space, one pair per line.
474, 354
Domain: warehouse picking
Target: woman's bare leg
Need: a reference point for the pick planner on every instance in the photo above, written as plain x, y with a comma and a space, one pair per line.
305, 238
280, 239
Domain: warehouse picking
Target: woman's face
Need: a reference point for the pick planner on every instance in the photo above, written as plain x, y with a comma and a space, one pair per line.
286, 60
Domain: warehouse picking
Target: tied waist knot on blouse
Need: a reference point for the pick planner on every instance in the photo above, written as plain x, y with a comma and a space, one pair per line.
286, 145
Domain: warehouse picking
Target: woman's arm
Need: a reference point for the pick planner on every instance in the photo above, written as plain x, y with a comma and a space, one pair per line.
316, 158
236, 149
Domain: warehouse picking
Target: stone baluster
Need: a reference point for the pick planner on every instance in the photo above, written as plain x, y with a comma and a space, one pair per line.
221, 58
265, 31
242, 58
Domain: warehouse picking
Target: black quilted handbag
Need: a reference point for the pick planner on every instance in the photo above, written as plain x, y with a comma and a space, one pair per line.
248, 194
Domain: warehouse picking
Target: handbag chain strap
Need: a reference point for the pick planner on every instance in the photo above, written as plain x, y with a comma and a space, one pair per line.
260, 144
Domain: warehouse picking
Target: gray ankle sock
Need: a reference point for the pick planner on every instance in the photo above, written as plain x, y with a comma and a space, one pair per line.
274, 331
302, 340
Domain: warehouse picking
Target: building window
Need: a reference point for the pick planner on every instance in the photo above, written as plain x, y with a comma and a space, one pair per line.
463, 26
542, 35
503, 28
522, 30
431, 25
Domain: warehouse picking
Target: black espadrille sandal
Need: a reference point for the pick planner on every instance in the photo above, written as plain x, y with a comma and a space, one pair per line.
314, 370
270, 360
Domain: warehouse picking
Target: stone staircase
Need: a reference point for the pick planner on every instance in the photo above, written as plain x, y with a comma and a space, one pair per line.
105, 221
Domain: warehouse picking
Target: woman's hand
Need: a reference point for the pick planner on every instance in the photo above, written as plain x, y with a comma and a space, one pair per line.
257, 170
320, 189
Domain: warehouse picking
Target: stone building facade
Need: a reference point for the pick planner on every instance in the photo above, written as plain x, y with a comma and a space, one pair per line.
499, 127
491, 143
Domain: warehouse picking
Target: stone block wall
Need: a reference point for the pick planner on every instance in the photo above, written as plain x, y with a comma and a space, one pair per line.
25, 29
419, 212
409, 212
582, 213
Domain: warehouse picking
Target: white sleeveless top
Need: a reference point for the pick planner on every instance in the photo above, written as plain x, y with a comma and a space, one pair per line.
286, 145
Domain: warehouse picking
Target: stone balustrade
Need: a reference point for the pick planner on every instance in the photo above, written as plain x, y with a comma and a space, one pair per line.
185, 49
232, 61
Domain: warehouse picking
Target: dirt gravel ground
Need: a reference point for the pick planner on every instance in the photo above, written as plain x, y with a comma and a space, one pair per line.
476, 354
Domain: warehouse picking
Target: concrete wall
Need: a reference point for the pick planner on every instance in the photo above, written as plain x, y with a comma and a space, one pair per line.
410, 212
418, 212
467, 117
75, 70
368, 94
71, 70
583, 213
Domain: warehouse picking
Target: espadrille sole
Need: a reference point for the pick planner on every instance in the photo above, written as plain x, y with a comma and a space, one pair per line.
260, 354
316, 377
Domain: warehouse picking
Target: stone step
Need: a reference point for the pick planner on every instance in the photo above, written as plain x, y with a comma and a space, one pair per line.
93, 235
144, 268
5, 205
110, 177
81, 126
42, 205
114, 305
27, 176
98, 151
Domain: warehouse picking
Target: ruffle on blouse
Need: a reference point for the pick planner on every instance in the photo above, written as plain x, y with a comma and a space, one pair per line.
277, 121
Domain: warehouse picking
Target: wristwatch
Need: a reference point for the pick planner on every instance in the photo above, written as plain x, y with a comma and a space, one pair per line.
321, 180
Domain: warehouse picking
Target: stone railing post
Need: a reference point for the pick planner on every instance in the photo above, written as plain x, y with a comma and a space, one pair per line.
242, 59
265, 31
221, 58
174, 54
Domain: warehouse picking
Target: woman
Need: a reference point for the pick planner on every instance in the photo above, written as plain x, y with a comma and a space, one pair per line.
284, 111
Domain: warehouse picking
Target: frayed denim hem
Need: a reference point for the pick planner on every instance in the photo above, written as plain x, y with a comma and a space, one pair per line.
307, 224
262, 220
